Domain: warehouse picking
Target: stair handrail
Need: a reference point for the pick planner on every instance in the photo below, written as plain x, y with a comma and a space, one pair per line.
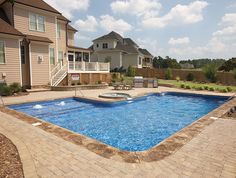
62, 68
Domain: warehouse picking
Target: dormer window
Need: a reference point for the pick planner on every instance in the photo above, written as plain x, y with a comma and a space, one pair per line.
104, 45
37, 22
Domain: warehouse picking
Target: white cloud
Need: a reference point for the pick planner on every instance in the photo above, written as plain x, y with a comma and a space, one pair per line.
109, 23
180, 14
136, 7
68, 7
179, 41
229, 19
90, 24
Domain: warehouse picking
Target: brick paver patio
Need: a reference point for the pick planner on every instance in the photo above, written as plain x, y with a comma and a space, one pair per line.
212, 153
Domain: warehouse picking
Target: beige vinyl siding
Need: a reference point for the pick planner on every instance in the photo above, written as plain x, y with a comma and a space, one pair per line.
12, 66
71, 38
62, 40
130, 60
40, 70
21, 18
111, 44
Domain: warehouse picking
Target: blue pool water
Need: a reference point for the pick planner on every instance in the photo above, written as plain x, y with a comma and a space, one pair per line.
131, 125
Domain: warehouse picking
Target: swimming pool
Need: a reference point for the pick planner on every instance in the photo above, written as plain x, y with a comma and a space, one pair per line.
135, 125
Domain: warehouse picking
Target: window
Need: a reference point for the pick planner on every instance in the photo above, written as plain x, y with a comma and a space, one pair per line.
86, 57
2, 53
22, 54
52, 56
60, 56
58, 30
104, 45
97, 45
78, 56
37, 22
140, 61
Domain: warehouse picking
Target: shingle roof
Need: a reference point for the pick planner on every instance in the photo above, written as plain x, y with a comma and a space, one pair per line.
39, 39
79, 48
61, 17
123, 44
112, 35
69, 27
40, 4
5, 27
144, 52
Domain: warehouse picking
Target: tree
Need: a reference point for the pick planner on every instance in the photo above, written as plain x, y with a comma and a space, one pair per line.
164, 63
131, 71
228, 65
168, 74
210, 72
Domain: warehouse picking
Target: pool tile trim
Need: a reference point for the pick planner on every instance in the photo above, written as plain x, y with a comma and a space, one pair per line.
158, 152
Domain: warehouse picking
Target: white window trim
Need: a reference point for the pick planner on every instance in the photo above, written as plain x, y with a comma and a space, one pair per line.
37, 29
4, 48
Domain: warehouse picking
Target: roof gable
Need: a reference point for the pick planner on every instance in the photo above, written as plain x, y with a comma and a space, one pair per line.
39, 4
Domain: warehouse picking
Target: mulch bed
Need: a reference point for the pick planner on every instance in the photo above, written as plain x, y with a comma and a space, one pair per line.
10, 163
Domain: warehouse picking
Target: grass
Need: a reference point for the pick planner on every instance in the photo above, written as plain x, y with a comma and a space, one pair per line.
193, 85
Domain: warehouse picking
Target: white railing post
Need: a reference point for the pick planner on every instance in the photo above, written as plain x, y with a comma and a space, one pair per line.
97, 66
83, 66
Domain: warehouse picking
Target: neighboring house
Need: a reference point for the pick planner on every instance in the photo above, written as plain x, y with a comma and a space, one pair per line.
187, 66
121, 52
37, 46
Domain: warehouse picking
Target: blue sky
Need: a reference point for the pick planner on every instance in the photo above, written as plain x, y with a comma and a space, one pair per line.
181, 29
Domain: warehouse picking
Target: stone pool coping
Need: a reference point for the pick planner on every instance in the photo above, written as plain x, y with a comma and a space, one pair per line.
166, 148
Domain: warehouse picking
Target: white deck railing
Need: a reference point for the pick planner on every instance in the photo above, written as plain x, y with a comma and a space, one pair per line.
88, 67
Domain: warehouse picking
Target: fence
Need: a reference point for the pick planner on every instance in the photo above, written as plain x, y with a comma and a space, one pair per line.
225, 78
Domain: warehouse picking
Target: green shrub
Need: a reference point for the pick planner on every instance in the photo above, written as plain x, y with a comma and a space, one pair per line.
211, 89
15, 87
206, 87
182, 85
223, 90
177, 78
187, 87
99, 82
190, 77
5, 90
199, 88
210, 72
130, 71
229, 89
168, 74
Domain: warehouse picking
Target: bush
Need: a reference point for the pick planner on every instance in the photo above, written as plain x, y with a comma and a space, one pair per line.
182, 85
187, 87
99, 82
211, 89
206, 87
210, 72
199, 88
5, 90
130, 71
190, 77
15, 87
229, 89
177, 78
223, 90
168, 74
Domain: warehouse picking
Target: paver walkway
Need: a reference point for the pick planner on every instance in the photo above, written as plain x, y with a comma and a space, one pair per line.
210, 154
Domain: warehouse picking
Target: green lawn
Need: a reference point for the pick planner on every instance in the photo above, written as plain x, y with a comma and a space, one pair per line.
193, 85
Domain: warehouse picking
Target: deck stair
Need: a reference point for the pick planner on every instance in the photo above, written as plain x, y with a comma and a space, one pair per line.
58, 73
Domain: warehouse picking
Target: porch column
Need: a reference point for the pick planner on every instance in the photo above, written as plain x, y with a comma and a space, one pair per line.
74, 61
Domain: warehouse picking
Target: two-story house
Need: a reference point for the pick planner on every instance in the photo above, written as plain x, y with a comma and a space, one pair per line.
37, 47
121, 52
